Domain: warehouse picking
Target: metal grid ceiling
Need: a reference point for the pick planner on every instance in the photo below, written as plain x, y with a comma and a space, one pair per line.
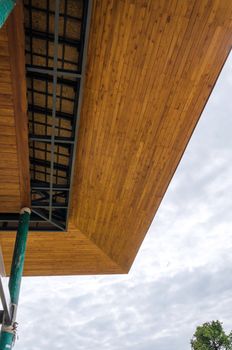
56, 34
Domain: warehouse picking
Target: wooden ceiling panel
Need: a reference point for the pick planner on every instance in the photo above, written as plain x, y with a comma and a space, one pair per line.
151, 67
59, 253
14, 163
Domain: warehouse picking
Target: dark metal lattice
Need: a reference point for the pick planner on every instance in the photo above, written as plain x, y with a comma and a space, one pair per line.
56, 33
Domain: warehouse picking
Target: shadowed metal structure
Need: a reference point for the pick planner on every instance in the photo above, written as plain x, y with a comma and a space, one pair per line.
56, 34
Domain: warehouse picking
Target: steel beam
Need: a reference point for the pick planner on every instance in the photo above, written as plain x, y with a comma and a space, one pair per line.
68, 73
48, 111
57, 139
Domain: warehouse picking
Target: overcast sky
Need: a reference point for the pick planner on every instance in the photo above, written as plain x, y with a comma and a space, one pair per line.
181, 276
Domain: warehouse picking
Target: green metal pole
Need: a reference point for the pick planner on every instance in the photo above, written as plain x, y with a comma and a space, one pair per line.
7, 334
6, 6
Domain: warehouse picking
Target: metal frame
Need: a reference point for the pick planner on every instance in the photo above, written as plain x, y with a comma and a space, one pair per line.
55, 89
11, 298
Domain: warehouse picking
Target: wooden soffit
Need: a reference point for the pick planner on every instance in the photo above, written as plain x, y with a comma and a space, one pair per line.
151, 67
14, 159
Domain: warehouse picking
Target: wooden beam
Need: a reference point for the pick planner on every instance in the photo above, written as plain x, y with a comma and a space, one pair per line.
15, 31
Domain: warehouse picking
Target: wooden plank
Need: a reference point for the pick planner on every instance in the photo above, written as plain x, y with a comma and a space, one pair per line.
10, 196
72, 252
8, 141
15, 31
7, 130
6, 121
6, 112
139, 110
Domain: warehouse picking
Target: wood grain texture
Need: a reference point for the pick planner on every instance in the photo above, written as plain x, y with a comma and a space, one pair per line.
59, 253
10, 194
151, 68
15, 31
14, 160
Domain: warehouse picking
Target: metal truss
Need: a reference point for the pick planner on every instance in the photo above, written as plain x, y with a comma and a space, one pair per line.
56, 37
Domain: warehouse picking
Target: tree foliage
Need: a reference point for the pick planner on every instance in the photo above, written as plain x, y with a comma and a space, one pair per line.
211, 336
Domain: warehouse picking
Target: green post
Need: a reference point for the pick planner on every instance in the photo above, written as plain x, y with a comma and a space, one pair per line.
6, 6
7, 334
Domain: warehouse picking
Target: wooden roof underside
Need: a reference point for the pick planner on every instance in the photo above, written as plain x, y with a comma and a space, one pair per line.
150, 70
14, 162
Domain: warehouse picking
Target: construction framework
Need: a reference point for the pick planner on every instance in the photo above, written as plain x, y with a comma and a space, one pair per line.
56, 34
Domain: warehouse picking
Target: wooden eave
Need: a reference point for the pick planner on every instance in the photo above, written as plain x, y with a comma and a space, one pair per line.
150, 70
14, 159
